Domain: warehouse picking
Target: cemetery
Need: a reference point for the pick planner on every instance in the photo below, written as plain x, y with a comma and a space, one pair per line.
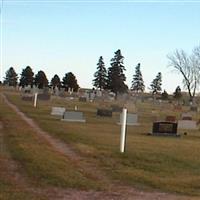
89, 126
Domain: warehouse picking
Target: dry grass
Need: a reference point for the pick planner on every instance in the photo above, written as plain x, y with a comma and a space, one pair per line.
163, 163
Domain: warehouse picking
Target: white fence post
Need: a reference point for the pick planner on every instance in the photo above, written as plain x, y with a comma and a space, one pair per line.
123, 131
35, 99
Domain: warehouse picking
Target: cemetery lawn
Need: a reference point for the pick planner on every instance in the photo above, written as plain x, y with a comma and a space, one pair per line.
37, 165
166, 164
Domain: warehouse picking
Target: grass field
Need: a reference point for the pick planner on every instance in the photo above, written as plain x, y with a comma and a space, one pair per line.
162, 163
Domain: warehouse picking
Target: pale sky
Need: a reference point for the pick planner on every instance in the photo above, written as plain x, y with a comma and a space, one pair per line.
62, 36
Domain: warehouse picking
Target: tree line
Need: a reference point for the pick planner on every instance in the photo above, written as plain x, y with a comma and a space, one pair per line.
40, 80
114, 78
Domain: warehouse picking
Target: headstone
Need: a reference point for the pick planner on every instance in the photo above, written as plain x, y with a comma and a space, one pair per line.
58, 111
131, 119
104, 112
194, 108
27, 97
187, 124
44, 97
186, 115
177, 107
72, 116
170, 118
82, 99
116, 108
164, 129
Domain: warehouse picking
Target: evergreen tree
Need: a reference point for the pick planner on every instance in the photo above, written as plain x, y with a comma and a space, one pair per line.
164, 95
55, 81
177, 94
100, 75
116, 77
69, 81
41, 80
11, 77
156, 84
27, 77
137, 83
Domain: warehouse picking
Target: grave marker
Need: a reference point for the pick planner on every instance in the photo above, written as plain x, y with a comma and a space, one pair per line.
164, 129
72, 116
104, 112
131, 119
58, 111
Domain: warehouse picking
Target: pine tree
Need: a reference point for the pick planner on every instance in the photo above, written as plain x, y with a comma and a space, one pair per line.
100, 75
27, 77
55, 81
41, 80
177, 94
69, 81
156, 84
137, 83
116, 77
164, 95
11, 77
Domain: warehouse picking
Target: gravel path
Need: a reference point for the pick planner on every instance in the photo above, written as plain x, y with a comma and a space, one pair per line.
114, 191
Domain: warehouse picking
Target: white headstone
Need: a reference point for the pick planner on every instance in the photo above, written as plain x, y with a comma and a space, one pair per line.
58, 111
187, 124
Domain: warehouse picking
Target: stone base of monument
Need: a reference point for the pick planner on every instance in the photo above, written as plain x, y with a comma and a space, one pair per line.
164, 129
72, 116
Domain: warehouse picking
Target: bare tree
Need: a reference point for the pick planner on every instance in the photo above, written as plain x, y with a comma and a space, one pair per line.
188, 67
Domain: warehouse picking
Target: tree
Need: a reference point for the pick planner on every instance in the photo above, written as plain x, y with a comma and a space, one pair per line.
137, 83
116, 77
156, 84
100, 75
11, 77
41, 80
188, 67
27, 77
164, 95
177, 94
69, 81
55, 81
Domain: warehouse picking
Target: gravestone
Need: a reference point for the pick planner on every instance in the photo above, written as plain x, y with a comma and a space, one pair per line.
164, 129
186, 115
58, 111
104, 112
72, 116
44, 97
187, 118
187, 124
116, 108
131, 119
194, 108
27, 97
82, 99
170, 118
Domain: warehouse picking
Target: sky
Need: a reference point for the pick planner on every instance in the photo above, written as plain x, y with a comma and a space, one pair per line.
69, 36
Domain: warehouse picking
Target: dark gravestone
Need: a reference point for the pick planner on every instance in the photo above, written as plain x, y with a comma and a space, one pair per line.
170, 119
194, 108
116, 108
44, 97
187, 118
82, 99
164, 128
27, 98
104, 112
